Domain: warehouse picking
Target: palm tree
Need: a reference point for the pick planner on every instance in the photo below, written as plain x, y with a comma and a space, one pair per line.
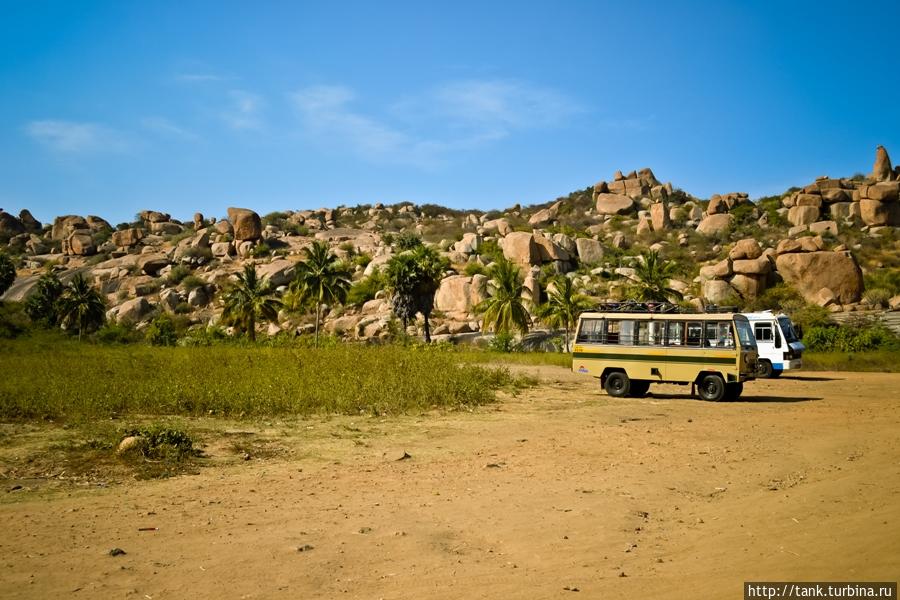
504, 309
652, 275
250, 299
563, 305
81, 306
43, 305
414, 276
321, 278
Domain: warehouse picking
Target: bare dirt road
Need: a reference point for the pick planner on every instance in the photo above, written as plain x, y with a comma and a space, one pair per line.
559, 489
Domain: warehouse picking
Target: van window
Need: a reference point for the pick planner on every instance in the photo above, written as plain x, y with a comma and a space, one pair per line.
612, 332
763, 332
591, 331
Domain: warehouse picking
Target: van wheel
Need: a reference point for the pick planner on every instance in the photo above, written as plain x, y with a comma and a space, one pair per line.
617, 384
764, 369
733, 391
712, 388
639, 388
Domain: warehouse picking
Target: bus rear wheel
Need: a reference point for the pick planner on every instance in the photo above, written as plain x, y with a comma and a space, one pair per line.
639, 388
711, 388
617, 384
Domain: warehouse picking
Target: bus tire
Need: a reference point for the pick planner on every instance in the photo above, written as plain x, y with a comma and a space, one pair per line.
617, 384
639, 388
711, 387
733, 391
776, 374
764, 369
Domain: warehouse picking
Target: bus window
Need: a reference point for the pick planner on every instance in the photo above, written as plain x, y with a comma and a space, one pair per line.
763, 332
656, 333
591, 331
627, 333
675, 336
641, 333
694, 334
612, 332
718, 335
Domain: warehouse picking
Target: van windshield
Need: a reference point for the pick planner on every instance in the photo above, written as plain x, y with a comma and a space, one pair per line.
790, 334
745, 333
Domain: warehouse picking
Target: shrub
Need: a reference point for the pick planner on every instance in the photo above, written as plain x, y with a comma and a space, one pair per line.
115, 333
503, 342
407, 241
192, 282
161, 331
877, 297
365, 289
474, 268
13, 319
260, 250
177, 274
858, 335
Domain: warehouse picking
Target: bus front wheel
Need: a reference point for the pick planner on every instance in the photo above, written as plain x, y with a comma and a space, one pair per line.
712, 388
617, 384
764, 369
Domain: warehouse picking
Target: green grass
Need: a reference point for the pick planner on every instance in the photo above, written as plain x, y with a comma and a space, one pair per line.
59, 379
884, 361
559, 359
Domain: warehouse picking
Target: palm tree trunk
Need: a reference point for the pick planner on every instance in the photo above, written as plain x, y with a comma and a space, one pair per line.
567, 337
427, 331
252, 331
318, 306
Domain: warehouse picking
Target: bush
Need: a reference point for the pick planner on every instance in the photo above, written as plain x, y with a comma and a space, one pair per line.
859, 335
407, 241
474, 268
13, 320
159, 442
161, 331
877, 297
192, 282
365, 289
115, 333
503, 342
177, 274
7, 273
260, 250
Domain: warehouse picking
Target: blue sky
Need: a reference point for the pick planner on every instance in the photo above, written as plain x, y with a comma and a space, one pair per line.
111, 107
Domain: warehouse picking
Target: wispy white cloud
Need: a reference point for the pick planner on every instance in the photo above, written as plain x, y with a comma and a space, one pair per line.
72, 137
168, 128
244, 110
426, 129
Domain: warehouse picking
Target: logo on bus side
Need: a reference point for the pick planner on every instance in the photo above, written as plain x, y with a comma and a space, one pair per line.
582, 369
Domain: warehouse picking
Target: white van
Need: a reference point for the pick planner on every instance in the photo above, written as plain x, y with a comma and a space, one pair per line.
778, 341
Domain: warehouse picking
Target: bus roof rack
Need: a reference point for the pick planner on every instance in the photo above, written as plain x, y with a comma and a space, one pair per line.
635, 306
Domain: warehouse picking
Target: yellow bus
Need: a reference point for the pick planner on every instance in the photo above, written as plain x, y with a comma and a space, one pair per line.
630, 350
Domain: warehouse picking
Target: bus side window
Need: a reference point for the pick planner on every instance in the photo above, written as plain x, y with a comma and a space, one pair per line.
725, 334
642, 333
627, 333
612, 332
590, 331
675, 336
763, 332
656, 335
694, 333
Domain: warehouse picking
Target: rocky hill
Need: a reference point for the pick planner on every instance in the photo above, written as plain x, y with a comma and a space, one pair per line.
819, 239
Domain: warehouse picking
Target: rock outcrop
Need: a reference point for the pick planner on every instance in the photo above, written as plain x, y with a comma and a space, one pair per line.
246, 223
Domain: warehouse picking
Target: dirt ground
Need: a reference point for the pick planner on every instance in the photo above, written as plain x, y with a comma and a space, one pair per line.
560, 489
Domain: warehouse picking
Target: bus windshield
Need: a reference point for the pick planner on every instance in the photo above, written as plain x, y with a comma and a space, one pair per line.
745, 334
790, 334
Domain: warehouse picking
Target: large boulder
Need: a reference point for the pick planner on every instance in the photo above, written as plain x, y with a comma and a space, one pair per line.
881, 170
152, 216
809, 272
502, 226
715, 224
247, 224
659, 216
614, 204
803, 215
520, 247
717, 291
127, 238
747, 248
31, 224
544, 217
756, 266
748, 286
873, 212
885, 191
152, 264
549, 250
81, 243
589, 251
133, 311
278, 272
457, 294
64, 226
10, 226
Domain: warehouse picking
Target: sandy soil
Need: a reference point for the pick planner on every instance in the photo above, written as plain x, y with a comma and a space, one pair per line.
558, 489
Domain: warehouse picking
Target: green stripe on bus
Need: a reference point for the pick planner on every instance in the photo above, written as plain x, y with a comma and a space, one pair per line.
649, 358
